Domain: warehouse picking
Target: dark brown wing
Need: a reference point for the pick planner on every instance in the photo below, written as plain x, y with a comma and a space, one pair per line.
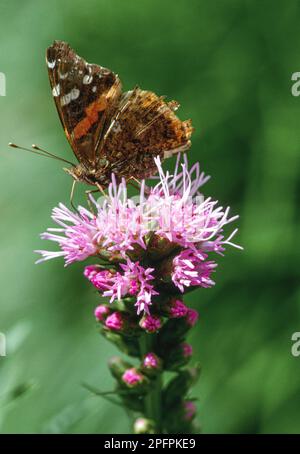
85, 96
143, 127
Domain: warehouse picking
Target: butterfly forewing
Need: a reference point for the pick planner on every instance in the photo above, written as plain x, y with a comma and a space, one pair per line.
85, 97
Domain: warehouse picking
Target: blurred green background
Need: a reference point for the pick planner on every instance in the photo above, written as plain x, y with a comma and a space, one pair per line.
229, 64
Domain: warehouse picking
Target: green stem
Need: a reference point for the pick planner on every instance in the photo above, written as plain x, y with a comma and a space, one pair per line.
153, 397
157, 401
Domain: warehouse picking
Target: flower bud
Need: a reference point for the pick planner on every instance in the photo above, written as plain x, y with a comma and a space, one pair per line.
144, 426
90, 271
132, 377
187, 350
175, 308
135, 382
151, 363
189, 410
150, 323
192, 317
115, 321
102, 312
99, 277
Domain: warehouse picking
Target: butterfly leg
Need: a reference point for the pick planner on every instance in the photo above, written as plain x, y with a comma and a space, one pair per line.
100, 189
132, 180
92, 191
72, 196
87, 193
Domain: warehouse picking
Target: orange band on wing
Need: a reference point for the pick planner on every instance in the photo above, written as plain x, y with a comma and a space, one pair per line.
91, 117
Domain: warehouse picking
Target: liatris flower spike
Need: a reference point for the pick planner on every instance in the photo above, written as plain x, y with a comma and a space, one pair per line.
148, 251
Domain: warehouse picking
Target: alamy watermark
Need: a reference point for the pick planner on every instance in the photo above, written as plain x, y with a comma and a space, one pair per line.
295, 350
295, 89
2, 84
2, 344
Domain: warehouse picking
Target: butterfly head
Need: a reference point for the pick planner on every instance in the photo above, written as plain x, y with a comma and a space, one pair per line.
79, 173
91, 176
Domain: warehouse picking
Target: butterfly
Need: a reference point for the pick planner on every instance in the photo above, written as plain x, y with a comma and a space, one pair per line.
111, 131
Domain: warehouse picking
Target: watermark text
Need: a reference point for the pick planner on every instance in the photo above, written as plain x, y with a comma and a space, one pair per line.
2, 84
2, 345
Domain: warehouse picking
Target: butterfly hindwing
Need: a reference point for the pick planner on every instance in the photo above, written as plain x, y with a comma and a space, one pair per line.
85, 96
144, 126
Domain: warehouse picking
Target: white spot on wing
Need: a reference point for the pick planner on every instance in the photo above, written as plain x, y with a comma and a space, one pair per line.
94, 89
63, 76
51, 64
56, 90
71, 96
116, 126
87, 79
65, 100
75, 93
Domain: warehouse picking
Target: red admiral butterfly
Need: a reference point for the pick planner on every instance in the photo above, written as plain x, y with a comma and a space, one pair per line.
110, 131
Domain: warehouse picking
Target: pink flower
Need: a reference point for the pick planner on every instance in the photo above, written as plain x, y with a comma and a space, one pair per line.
134, 280
76, 235
176, 183
101, 312
150, 323
121, 222
115, 321
132, 377
191, 269
187, 349
192, 317
174, 209
182, 214
173, 213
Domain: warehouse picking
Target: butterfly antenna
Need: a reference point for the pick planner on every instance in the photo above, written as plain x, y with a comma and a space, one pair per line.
40, 152
13, 145
51, 155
